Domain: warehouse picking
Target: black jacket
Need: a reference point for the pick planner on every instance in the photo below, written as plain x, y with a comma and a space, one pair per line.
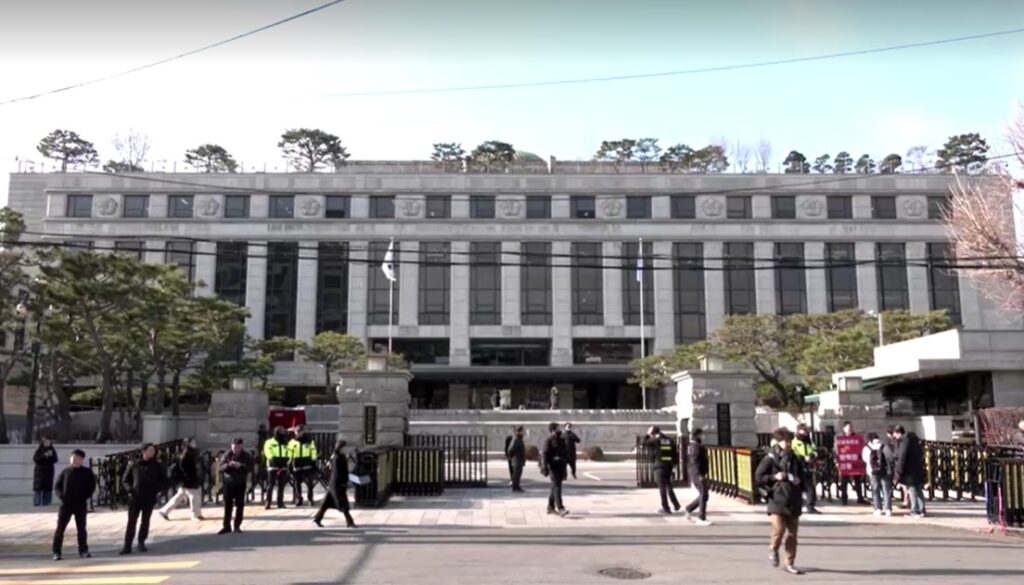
235, 477
555, 454
697, 460
338, 483
516, 451
188, 469
42, 476
785, 498
571, 440
909, 462
74, 487
145, 480
653, 445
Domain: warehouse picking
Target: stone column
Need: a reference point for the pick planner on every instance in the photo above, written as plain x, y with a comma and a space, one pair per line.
664, 298
459, 307
386, 393
359, 206
511, 284
157, 206
358, 289
765, 278
817, 295
917, 278
235, 414
561, 302
259, 205
612, 276
409, 291
155, 252
460, 206
699, 394
256, 289
714, 286
867, 277
761, 206
306, 294
970, 304
861, 206
560, 208
206, 268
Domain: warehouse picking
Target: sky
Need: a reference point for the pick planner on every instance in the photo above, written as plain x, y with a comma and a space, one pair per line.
245, 94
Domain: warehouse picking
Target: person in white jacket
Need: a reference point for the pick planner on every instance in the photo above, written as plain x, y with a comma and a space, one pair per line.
878, 466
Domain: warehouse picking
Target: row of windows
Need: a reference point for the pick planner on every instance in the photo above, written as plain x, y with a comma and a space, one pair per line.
483, 207
515, 352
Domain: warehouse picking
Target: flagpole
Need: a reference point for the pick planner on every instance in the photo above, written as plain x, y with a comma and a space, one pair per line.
643, 341
391, 300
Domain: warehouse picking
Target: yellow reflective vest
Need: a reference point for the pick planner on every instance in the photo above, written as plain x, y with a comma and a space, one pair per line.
275, 453
302, 451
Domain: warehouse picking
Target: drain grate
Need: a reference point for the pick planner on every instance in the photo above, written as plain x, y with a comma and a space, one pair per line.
624, 573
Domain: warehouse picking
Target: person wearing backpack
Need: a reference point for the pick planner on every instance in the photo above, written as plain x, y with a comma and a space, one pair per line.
185, 473
780, 475
879, 474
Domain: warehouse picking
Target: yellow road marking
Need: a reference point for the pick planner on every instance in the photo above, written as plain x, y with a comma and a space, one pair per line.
57, 569
94, 581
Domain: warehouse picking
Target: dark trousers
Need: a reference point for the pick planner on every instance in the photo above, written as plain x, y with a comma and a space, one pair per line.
517, 474
663, 475
42, 498
701, 501
340, 503
307, 477
572, 467
234, 501
138, 513
810, 490
276, 478
64, 516
556, 475
858, 488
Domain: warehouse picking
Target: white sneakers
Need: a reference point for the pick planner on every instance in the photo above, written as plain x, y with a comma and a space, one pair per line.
702, 523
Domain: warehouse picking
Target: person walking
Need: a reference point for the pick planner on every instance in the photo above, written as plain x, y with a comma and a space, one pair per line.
878, 467
664, 457
337, 488
45, 458
75, 486
144, 480
804, 447
508, 442
554, 459
910, 470
571, 441
698, 465
186, 471
235, 467
780, 473
516, 453
275, 453
302, 456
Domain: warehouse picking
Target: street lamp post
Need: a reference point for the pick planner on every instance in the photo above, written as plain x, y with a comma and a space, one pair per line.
881, 335
30, 413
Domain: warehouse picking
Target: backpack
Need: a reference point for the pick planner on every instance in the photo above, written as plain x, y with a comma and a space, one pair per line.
879, 466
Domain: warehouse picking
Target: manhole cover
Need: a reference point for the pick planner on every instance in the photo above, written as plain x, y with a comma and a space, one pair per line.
624, 573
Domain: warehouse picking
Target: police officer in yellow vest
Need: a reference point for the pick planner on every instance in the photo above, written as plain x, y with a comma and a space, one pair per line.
803, 447
302, 454
275, 453
665, 457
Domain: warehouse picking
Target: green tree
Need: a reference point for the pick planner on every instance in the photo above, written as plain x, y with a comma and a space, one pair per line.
843, 163
211, 158
963, 153
708, 160
309, 148
617, 151
68, 148
263, 353
647, 150
821, 164
891, 164
767, 344
655, 371
334, 352
113, 166
796, 163
448, 155
492, 156
865, 165
676, 158
13, 280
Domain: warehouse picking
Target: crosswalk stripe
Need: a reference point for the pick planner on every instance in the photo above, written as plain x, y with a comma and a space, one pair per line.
140, 580
106, 568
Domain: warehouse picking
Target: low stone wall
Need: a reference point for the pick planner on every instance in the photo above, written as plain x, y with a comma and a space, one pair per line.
16, 463
160, 428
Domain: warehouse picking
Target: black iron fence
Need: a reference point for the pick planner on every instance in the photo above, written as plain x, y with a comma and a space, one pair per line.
377, 466
465, 457
645, 464
110, 489
419, 471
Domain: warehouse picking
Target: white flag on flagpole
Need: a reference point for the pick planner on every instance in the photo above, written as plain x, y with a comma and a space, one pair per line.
388, 266
640, 266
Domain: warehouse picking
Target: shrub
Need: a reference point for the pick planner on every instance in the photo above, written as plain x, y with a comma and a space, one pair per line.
594, 453
532, 453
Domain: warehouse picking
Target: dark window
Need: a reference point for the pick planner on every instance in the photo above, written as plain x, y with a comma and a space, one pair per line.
583, 207
337, 206
485, 283
638, 207
688, 281
684, 207
790, 281
538, 207
737, 207
382, 207
180, 206
883, 207
379, 286
840, 207
892, 277
605, 351
332, 287
535, 283
740, 285
943, 284
131, 249
938, 205
417, 351
136, 206
282, 206
841, 277
282, 283
181, 255
481, 207
229, 282
435, 282
439, 207
587, 284
236, 206
79, 206
783, 207
631, 276
519, 352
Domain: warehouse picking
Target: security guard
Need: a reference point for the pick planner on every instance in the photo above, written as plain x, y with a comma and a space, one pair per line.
275, 452
665, 457
302, 455
804, 448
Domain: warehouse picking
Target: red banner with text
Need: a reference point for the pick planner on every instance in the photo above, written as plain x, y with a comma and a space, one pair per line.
848, 455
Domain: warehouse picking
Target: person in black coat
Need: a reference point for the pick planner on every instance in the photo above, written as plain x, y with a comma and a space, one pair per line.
698, 466
337, 488
664, 457
515, 451
44, 458
554, 459
235, 467
571, 441
187, 473
909, 470
780, 473
75, 486
144, 480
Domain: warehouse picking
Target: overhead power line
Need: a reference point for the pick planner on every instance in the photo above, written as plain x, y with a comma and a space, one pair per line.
680, 72
169, 59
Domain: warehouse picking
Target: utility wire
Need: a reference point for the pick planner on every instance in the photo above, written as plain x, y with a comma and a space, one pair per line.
169, 59
701, 70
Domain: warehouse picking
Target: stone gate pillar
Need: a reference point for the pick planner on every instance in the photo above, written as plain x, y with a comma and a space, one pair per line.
236, 413
374, 406
719, 401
